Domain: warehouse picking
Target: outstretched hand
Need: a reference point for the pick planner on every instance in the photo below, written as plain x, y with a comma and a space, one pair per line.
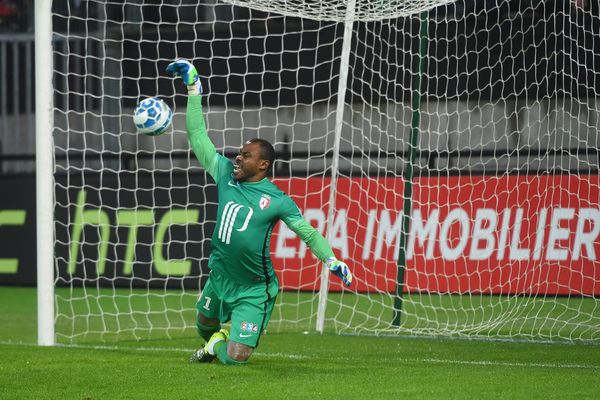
188, 74
340, 269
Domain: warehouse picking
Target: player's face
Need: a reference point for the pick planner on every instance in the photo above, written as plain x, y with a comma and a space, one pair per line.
249, 165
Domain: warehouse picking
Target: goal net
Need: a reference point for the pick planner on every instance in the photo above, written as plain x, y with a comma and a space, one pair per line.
448, 151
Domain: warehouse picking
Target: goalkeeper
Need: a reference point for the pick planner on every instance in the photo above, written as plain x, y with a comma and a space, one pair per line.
242, 284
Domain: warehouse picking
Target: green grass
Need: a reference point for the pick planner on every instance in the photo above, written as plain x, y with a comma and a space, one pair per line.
288, 365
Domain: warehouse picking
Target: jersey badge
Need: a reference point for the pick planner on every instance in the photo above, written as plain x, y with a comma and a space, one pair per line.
264, 201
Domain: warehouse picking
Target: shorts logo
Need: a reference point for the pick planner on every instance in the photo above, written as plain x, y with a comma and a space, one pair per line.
264, 201
249, 327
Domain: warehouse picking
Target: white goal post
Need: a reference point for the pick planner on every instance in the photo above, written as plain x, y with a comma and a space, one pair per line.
44, 125
449, 151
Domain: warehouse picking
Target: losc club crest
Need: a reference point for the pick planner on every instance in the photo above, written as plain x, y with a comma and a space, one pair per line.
264, 201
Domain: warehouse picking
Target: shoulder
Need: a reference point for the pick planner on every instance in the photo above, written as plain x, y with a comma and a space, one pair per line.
287, 205
273, 195
276, 187
223, 161
223, 168
267, 188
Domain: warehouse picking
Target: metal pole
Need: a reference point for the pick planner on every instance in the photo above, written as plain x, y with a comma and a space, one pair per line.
408, 176
44, 171
339, 121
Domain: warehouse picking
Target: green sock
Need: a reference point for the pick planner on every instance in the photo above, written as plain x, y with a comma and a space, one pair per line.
221, 352
206, 331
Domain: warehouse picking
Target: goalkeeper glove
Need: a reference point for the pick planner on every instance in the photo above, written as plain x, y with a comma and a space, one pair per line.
188, 73
340, 269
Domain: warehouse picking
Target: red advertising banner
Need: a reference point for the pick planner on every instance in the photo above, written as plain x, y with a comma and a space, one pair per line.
475, 234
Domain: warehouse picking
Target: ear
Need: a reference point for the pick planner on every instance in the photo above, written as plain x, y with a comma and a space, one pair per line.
264, 165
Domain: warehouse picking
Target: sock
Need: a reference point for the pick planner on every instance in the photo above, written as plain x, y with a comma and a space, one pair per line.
221, 352
206, 331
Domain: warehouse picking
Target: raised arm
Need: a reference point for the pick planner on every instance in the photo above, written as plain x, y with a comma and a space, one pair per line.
203, 147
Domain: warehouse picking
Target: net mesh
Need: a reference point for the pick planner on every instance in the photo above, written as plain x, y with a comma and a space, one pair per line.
503, 219
341, 11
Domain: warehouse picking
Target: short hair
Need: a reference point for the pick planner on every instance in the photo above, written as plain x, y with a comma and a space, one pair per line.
267, 152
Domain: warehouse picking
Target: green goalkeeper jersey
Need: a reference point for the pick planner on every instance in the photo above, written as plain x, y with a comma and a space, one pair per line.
247, 213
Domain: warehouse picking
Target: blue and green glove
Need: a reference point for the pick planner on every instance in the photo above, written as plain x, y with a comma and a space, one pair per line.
188, 74
340, 269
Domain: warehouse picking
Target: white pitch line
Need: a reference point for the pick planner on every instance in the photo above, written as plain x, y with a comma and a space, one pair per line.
144, 349
303, 357
509, 364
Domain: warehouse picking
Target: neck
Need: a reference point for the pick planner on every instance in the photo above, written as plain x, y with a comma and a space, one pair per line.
256, 178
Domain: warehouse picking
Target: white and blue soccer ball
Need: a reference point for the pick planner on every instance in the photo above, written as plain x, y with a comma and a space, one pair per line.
152, 116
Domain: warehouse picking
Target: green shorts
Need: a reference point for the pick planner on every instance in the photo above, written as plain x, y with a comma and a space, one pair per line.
248, 307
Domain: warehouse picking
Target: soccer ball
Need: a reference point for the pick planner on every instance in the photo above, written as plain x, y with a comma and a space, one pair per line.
152, 116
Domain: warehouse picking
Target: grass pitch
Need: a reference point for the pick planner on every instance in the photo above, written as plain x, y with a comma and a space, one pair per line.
287, 365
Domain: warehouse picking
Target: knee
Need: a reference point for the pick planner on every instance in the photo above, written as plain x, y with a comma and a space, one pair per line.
239, 352
238, 357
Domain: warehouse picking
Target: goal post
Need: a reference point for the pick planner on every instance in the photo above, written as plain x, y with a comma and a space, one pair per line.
44, 172
461, 187
339, 120
408, 176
